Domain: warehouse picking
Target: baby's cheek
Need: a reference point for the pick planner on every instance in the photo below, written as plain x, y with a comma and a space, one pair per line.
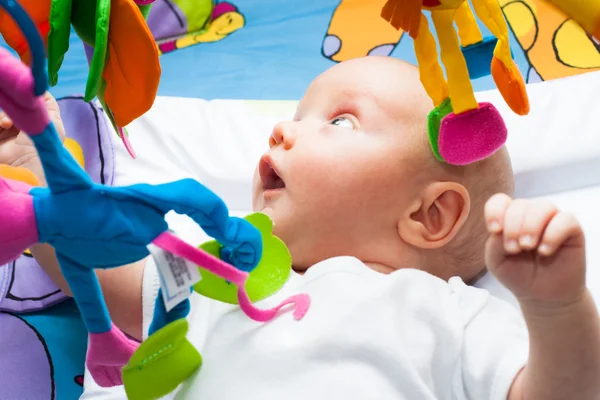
257, 201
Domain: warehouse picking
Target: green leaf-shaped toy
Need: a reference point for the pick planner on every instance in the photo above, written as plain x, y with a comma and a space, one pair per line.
90, 19
161, 363
434, 121
266, 279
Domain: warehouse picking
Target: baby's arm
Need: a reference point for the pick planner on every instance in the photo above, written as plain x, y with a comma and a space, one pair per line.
122, 287
539, 254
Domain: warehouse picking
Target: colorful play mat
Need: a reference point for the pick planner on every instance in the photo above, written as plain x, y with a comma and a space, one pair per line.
236, 49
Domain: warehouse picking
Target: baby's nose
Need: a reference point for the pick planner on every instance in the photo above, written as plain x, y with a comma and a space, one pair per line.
283, 133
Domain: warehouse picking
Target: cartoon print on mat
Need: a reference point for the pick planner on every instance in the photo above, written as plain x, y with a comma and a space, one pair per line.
554, 45
176, 24
376, 37
42, 336
43, 354
29, 356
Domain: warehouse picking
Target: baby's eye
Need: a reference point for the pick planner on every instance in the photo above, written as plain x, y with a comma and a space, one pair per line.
344, 122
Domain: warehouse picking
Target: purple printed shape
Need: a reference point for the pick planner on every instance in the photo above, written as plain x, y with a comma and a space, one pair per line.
382, 50
166, 20
89, 52
331, 45
28, 288
24, 286
87, 124
533, 76
28, 355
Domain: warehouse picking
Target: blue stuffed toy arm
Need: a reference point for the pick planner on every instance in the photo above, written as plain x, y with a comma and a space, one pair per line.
208, 210
60, 168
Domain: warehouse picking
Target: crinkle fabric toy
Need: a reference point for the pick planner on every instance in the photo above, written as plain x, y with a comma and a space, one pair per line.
94, 226
39, 12
461, 131
124, 60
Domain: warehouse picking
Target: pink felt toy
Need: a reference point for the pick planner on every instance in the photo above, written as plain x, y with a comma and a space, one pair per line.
462, 142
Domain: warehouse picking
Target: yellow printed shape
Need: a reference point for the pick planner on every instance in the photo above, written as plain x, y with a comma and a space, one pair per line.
574, 47
73, 147
553, 46
221, 27
585, 12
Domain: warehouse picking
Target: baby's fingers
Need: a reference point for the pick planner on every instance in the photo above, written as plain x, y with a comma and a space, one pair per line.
5, 122
560, 229
513, 222
54, 113
494, 212
534, 223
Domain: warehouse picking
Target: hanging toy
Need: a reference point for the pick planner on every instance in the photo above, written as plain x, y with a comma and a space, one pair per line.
461, 131
93, 226
124, 60
38, 11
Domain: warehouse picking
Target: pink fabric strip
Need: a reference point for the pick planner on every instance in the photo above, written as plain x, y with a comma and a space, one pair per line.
17, 97
17, 186
173, 244
19, 226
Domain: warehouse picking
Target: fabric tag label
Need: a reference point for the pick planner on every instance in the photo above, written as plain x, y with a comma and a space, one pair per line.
177, 276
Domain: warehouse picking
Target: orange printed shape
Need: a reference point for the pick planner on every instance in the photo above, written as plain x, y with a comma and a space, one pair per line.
39, 12
133, 69
20, 174
511, 85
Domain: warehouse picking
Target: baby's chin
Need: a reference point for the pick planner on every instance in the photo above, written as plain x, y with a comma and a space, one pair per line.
268, 211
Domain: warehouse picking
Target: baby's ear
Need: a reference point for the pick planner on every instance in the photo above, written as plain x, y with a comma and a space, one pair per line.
436, 216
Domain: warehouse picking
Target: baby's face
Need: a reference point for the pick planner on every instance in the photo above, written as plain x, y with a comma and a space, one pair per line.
341, 172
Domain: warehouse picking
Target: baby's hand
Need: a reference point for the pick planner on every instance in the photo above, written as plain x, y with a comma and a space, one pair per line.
535, 250
17, 149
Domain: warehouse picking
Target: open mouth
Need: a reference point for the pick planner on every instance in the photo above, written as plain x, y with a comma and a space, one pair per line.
269, 176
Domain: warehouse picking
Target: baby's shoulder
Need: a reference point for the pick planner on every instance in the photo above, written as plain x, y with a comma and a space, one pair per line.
404, 288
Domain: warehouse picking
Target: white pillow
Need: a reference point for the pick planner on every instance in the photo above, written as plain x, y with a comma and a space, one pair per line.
557, 146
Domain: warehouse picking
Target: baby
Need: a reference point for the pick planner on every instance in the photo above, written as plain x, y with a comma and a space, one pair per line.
384, 237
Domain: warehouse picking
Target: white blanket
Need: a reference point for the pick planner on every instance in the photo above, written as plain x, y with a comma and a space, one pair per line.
555, 152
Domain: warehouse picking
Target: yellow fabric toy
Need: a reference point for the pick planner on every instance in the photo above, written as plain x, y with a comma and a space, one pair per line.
461, 131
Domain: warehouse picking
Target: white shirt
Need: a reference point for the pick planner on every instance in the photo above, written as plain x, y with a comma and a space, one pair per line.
407, 335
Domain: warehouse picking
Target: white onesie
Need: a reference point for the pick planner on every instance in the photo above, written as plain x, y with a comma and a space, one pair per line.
407, 335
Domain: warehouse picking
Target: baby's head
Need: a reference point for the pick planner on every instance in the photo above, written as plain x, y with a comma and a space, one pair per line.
353, 174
